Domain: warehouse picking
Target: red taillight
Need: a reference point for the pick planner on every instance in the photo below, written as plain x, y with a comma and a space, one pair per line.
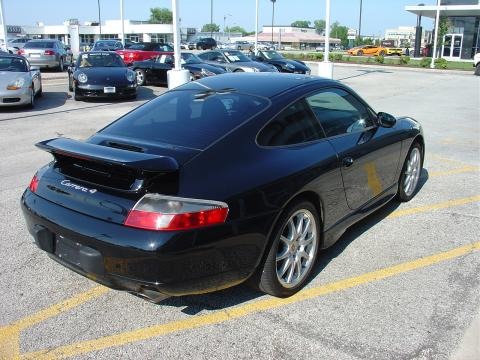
158, 212
49, 52
33, 184
21, 52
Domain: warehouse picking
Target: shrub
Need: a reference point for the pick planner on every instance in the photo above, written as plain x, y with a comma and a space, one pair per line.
337, 56
404, 59
380, 59
440, 64
319, 56
425, 62
330, 57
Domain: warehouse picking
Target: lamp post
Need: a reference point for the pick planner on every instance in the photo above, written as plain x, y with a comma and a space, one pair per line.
211, 18
177, 76
224, 23
2, 18
256, 27
99, 18
123, 23
325, 68
437, 20
273, 15
360, 24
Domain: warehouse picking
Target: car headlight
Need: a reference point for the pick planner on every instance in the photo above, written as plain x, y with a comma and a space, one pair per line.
16, 85
130, 75
206, 72
82, 77
290, 66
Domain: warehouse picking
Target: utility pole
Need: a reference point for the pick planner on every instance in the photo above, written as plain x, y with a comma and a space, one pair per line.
2, 18
99, 18
360, 24
211, 18
123, 22
437, 20
273, 15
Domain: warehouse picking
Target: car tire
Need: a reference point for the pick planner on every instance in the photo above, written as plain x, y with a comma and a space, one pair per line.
61, 65
291, 253
411, 172
238, 70
31, 105
360, 53
70, 83
140, 77
204, 47
75, 96
40, 91
477, 69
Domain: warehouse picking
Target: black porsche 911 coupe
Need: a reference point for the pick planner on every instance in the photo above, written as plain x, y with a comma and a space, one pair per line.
281, 63
220, 180
101, 74
154, 71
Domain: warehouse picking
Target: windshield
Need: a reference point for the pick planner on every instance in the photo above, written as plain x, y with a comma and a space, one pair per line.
272, 55
109, 44
192, 118
188, 58
99, 59
236, 56
13, 64
39, 45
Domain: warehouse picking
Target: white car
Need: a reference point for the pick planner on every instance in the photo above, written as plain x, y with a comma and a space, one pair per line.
476, 63
19, 82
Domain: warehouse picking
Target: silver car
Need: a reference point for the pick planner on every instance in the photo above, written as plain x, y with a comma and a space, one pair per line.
234, 61
19, 82
46, 53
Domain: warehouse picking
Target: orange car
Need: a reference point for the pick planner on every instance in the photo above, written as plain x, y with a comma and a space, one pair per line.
374, 50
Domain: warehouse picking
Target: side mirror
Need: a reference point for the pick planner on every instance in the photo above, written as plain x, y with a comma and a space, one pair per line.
386, 120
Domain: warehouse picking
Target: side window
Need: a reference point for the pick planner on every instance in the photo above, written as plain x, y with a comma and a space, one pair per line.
339, 112
294, 125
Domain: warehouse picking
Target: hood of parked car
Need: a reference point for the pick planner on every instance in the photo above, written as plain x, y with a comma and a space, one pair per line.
255, 65
7, 77
198, 67
290, 64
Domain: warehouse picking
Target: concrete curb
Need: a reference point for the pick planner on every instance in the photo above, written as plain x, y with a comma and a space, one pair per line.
399, 68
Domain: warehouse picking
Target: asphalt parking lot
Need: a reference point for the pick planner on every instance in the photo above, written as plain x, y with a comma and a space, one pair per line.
402, 284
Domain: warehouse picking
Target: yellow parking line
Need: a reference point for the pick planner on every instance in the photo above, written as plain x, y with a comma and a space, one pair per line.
445, 160
437, 206
128, 337
9, 335
460, 170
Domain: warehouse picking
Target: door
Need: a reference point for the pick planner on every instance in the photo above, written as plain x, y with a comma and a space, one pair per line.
160, 66
368, 160
452, 46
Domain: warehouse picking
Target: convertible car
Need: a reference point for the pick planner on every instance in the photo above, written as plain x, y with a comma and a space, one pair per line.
154, 71
282, 64
101, 74
220, 180
20, 84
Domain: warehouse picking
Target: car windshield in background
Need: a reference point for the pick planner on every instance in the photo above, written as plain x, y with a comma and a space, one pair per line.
188, 118
112, 44
100, 60
39, 45
236, 56
190, 59
151, 47
272, 55
12, 64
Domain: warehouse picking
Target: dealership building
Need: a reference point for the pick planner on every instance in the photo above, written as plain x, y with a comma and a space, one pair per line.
462, 40
77, 35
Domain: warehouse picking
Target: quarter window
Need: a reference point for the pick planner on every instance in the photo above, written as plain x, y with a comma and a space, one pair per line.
294, 125
339, 112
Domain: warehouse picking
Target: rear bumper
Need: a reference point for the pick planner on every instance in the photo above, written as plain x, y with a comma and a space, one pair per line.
124, 258
41, 62
97, 91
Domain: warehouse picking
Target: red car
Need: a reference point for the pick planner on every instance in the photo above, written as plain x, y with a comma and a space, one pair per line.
143, 51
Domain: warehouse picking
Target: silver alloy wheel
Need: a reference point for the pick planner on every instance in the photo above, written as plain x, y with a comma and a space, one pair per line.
296, 248
140, 77
412, 173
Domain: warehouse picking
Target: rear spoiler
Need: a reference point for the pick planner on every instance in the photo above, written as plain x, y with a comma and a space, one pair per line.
108, 155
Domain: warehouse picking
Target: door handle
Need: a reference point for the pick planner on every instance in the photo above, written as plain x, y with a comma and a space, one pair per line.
348, 161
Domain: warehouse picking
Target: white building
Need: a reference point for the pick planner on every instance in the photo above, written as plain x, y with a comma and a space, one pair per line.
405, 35
78, 35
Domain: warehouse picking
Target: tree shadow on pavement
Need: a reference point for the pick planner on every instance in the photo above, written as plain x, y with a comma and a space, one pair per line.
193, 304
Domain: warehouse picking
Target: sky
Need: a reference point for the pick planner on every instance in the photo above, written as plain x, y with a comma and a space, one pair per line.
377, 15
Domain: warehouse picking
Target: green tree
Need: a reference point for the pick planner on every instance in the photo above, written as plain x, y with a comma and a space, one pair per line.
210, 28
339, 32
319, 26
443, 26
236, 29
301, 24
160, 16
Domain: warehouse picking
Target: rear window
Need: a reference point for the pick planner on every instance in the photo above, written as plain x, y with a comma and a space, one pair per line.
40, 45
188, 118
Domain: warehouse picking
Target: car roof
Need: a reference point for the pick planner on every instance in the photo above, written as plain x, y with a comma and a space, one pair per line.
267, 84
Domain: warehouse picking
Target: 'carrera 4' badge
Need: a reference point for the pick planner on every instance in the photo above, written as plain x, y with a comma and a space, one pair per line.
69, 184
